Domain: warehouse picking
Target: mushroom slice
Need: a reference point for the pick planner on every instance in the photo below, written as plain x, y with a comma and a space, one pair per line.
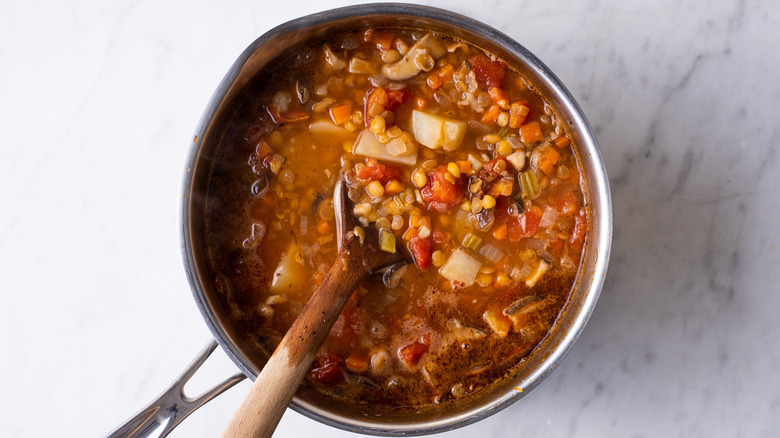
407, 67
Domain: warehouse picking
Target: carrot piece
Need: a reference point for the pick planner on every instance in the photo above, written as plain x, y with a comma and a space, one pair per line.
383, 40
518, 111
500, 232
435, 81
531, 133
419, 221
499, 97
464, 165
263, 149
562, 141
491, 115
323, 227
341, 114
394, 187
548, 161
410, 234
357, 363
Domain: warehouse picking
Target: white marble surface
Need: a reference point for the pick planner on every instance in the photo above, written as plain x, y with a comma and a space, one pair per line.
98, 102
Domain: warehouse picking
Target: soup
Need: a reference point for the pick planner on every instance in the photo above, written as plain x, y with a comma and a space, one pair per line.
450, 156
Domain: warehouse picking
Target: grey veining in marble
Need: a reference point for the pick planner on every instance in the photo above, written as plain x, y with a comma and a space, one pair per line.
98, 101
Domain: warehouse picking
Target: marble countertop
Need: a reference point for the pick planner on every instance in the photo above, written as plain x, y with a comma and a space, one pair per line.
98, 103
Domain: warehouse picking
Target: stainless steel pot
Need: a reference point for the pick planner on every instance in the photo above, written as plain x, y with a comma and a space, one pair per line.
163, 414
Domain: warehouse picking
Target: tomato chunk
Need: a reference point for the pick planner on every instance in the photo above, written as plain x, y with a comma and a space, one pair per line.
386, 99
383, 173
421, 249
525, 225
578, 235
489, 72
327, 371
412, 353
439, 193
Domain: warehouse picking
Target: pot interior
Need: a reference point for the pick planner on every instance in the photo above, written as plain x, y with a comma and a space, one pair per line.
231, 94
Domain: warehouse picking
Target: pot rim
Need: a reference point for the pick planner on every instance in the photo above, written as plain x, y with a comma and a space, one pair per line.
588, 151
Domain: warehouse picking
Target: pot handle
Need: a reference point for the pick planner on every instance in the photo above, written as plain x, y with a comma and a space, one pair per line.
160, 416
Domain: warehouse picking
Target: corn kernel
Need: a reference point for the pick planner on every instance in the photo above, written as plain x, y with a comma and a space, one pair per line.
476, 205
347, 145
383, 223
492, 138
503, 119
453, 169
504, 147
375, 189
424, 232
394, 131
362, 209
449, 177
276, 139
438, 258
466, 206
360, 233
502, 279
484, 280
349, 126
397, 223
419, 178
488, 202
378, 124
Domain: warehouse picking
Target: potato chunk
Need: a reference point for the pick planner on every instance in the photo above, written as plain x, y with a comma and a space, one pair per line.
435, 131
368, 145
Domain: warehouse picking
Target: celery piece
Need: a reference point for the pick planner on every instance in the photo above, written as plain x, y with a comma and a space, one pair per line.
386, 241
529, 184
471, 241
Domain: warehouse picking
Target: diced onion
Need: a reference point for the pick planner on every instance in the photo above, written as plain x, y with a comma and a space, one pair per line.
461, 267
304, 225
491, 252
549, 217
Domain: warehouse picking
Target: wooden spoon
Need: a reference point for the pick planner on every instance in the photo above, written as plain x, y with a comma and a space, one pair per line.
270, 394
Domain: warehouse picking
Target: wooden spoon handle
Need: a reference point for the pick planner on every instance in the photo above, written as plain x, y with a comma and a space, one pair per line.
270, 394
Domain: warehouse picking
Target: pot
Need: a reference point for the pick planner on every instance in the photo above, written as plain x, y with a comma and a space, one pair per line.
172, 406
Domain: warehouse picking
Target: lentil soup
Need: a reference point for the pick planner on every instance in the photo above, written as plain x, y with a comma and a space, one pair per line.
449, 154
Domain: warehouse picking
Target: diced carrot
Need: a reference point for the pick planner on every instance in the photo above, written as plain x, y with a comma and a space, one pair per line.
499, 97
410, 234
357, 363
500, 232
491, 115
383, 40
531, 133
464, 165
562, 141
323, 227
341, 113
263, 149
393, 187
518, 111
548, 161
435, 81
418, 221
